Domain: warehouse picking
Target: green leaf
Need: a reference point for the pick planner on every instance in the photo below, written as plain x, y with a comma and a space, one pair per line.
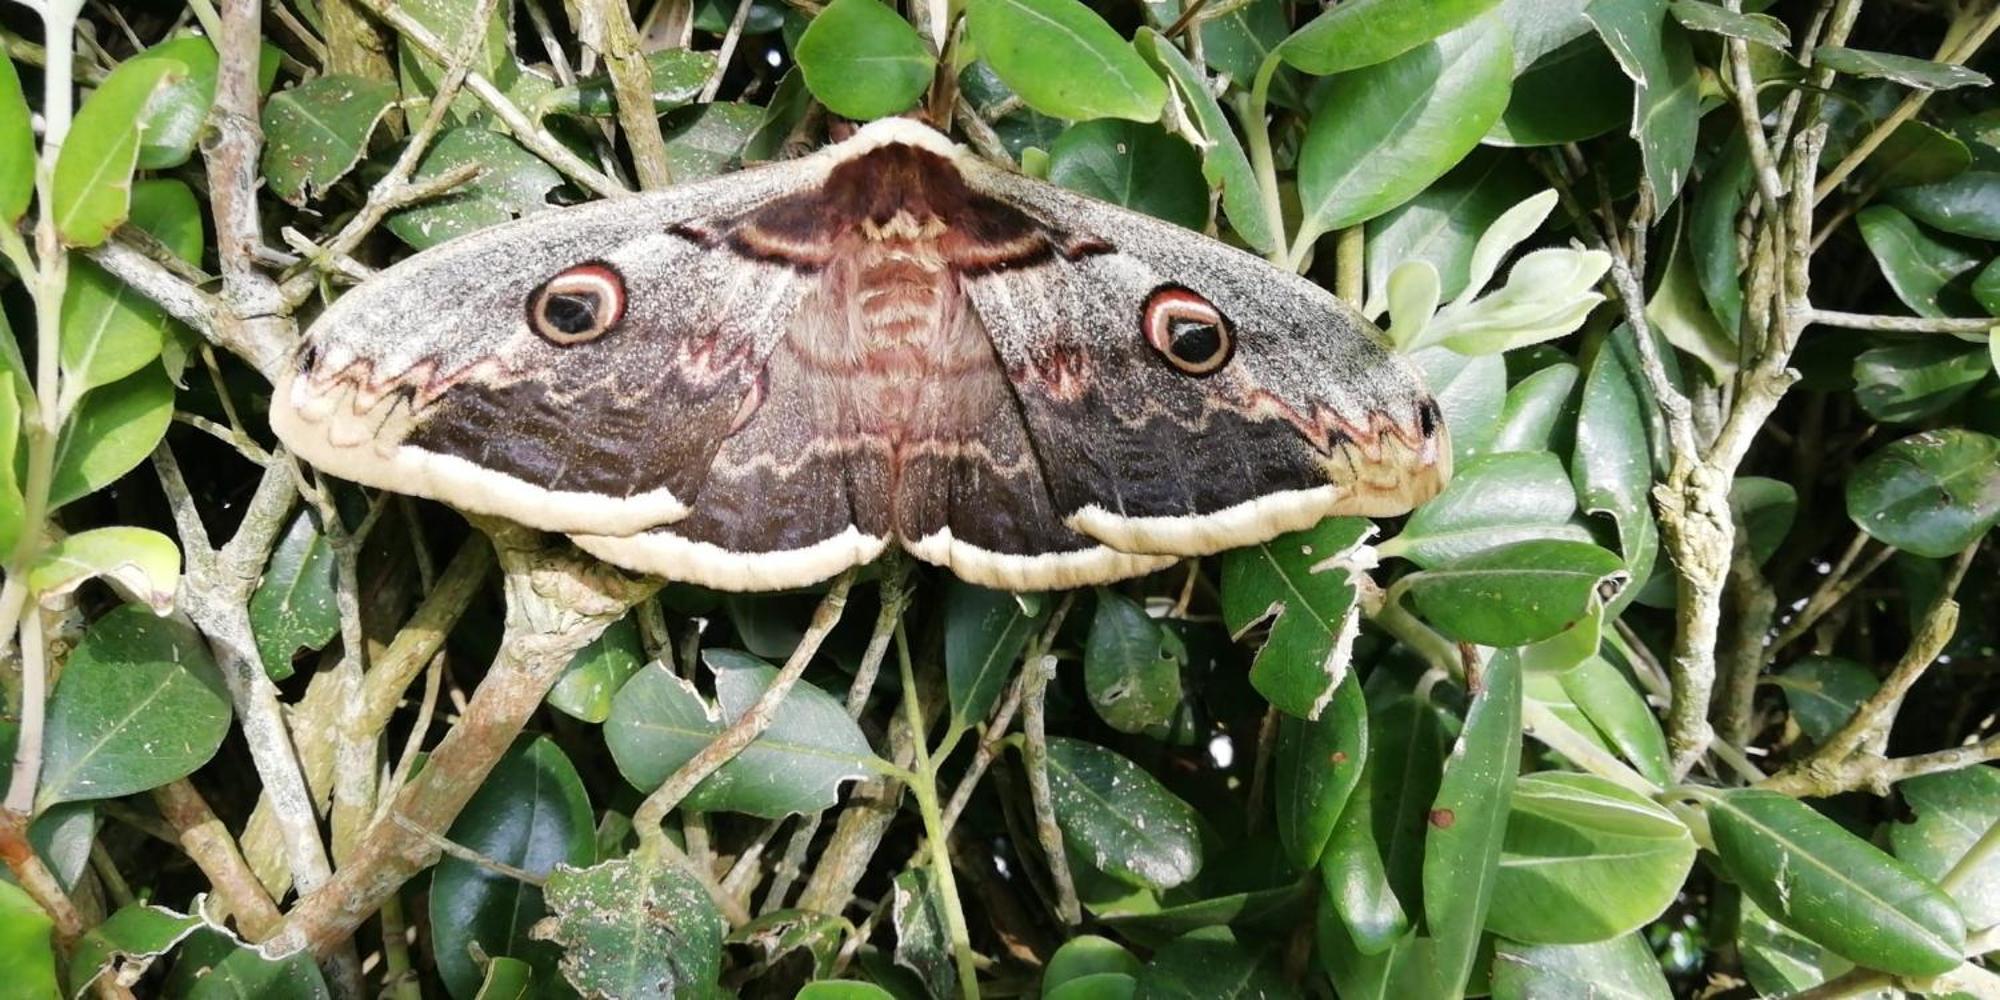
1967, 204
91, 190
678, 76
1622, 968
140, 561
1585, 860
13, 507
923, 943
843, 990
1680, 312
863, 61
1950, 812
511, 183
1932, 493
1064, 60
1444, 222
1389, 130
1131, 666
710, 139
1116, 816
1468, 823
1575, 93
115, 428
1618, 713
1313, 614
658, 723
109, 329
1916, 153
1519, 593
984, 633
1087, 955
1278, 905
1921, 74
1470, 390
17, 147
1549, 293
1612, 465
1223, 162
139, 704
1135, 164
1917, 264
532, 813
1822, 693
634, 927
452, 23
1833, 887
1492, 500
27, 954
132, 938
1212, 965
294, 606
598, 672
1711, 231
173, 119
1767, 508
1763, 29
213, 966
1315, 768
1536, 407
317, 131
1366, 32
1778, 961
1099, 986
1913, 380
1373, 863
506, 979
1655, 53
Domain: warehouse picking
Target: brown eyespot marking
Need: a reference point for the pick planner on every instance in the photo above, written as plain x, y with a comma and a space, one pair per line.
1187, 330
578, 305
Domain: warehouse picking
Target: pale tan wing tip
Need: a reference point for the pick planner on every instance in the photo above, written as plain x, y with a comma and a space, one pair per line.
326, 431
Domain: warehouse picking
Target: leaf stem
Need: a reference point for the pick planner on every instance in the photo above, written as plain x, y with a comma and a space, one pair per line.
924, 788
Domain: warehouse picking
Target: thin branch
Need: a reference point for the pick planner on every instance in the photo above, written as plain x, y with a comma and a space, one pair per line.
1034, 725
207, 841
1899, 324
1834, 589
727, 51
608, 28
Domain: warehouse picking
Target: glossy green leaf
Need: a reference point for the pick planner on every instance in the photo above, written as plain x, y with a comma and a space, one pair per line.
109, 329
1680, 312
131, 937
1585, 860
1537, 407
1822, 692
1922, 74
1097, 986
1443, 222
140, 561
1313, 613
532, 813
1575, 93
295, 606
1700, 15
985, 631
1389, 130
511, 183
214, 966
678, 76
1968, 204
1235, 43
1767, 508
1711, 231
1463, 847
598, 672
1366, 32
1315, 767
90, 192
115, 428
1087, 955
174, 118
317, 131
634, 927
452, 22
923, 942
506, 979
1622, 968
1949, 813
1776, 959
1119, 818
1918, 265
1543, 26
1618, 712
1513, 594
1656, 55
1223, 161
1131, 665
659, 722
1064, 60
1373, 863
863, 61
1910, 381
1213, 965
1932, 493
710, 139
1135, 164
13, 506
1470, 390
17, 147
1278, 905
139, 704
843, 990
1612, 465
1916, 153
1833, 887
27, 953
1492, 500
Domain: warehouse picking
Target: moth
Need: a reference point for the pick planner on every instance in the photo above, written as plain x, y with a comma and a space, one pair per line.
757, 381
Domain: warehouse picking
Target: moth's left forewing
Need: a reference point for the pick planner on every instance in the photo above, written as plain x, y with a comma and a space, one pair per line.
1307, 416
